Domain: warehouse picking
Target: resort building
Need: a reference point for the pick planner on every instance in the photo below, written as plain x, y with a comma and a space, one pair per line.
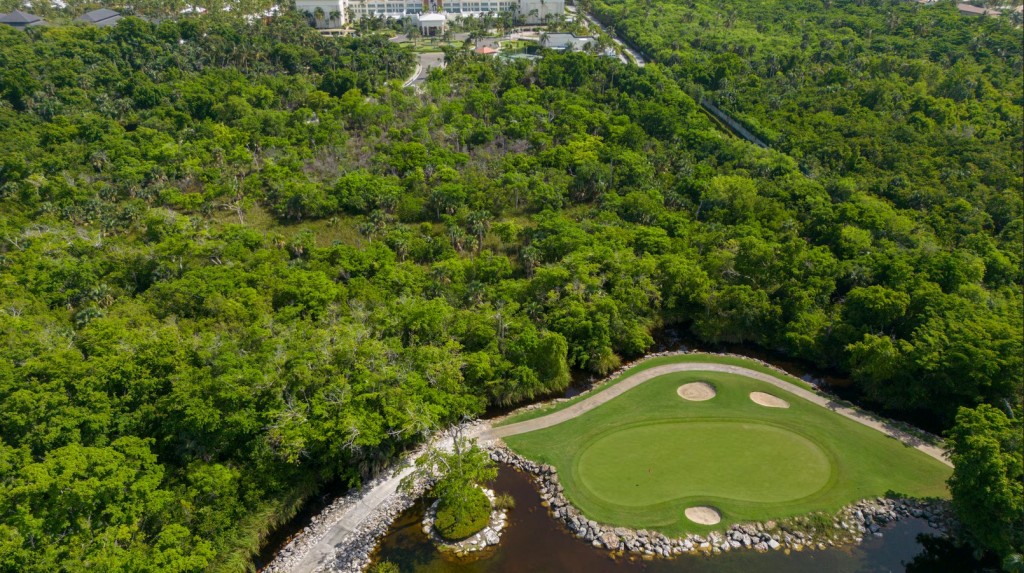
102, 18
21, 20
564, 42
432, 23
337, 13
970, 10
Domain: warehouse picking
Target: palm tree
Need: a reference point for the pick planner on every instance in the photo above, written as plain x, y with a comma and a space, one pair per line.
318, 16
479, 224
335, 18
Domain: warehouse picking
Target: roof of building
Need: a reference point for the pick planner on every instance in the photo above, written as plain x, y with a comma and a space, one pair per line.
19, 18
974, 10
431, 17
101, 17
486, 50
565, 41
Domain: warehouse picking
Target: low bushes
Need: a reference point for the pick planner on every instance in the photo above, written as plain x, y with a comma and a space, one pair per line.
462, 516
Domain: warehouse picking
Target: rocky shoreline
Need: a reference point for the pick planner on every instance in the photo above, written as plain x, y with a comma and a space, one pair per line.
485, 539
354, 554
819, 531
358, 545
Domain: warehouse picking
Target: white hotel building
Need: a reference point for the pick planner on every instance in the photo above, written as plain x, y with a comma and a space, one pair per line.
336, 13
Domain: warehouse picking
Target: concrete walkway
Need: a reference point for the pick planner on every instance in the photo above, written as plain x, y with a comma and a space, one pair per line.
324, 551
639, 378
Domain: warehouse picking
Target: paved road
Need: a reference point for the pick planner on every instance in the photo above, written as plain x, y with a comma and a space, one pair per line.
323, 551
425, 63
636, 57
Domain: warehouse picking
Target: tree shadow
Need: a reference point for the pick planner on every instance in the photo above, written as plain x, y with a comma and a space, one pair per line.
942, 555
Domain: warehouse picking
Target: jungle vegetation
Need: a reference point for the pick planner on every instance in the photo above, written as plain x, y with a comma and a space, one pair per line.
238, 260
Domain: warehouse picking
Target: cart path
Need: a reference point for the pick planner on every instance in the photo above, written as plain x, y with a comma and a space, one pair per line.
639, 378
321, 555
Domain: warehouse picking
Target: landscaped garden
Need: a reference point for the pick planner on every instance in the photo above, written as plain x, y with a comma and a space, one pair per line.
725, 444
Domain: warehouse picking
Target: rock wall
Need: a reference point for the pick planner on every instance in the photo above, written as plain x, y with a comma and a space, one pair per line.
352, 555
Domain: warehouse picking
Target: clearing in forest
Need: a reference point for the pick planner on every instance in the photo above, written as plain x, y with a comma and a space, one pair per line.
645, 457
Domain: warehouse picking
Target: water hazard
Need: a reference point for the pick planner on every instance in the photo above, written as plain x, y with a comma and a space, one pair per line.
536, 543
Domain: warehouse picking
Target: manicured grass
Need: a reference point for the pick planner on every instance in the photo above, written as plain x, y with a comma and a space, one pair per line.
694, 357
654, 463
644, 457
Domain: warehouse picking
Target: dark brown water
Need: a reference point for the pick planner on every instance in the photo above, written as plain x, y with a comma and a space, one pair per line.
536, 543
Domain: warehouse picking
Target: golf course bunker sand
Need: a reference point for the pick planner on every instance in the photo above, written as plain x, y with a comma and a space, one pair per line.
768, 401
703, 515
696, 391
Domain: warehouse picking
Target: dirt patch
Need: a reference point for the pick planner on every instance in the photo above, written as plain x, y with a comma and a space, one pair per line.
768, 401
703, 515
696, 391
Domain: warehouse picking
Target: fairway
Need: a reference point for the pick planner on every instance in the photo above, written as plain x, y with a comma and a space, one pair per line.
752, 452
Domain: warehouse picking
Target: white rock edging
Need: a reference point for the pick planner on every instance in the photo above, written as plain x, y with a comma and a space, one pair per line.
849, 526
351, 553
484, 539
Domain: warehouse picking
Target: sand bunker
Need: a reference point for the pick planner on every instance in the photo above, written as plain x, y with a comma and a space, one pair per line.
703, 515
768, 401
696, 391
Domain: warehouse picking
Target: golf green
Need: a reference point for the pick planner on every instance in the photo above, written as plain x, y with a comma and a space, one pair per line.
745, 461
644, 456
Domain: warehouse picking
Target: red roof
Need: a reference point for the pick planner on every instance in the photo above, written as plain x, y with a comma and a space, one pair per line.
486, 50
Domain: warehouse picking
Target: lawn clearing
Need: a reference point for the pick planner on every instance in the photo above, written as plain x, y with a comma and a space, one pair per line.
646, 456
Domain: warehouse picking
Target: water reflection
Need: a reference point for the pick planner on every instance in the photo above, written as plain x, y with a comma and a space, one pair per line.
538, 544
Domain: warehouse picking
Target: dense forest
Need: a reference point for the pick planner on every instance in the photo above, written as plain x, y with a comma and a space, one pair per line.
238, 260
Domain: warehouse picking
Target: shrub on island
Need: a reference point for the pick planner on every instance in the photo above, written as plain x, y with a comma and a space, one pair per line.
457, 474
459, 517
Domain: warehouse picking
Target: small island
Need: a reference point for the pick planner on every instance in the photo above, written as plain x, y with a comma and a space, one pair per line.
465, 518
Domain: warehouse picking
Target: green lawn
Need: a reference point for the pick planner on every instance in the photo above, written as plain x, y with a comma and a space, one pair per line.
644, 457
694, 357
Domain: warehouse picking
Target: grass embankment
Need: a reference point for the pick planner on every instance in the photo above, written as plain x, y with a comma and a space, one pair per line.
644, 457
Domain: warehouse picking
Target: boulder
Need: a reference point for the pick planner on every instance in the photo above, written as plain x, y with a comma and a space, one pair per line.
610, 540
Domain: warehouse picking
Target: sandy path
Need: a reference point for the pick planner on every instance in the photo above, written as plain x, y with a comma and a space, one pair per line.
635, 380
321, 553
